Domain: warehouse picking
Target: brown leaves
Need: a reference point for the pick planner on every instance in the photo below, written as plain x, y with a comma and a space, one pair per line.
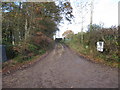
41, 39
68, 33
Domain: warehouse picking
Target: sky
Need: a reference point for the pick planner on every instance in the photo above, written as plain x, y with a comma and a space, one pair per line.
105, 12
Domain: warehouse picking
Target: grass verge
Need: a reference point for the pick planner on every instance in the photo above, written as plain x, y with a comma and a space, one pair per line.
92, 55
16, 64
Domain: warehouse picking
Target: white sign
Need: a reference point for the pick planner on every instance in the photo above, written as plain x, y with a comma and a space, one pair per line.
100, 46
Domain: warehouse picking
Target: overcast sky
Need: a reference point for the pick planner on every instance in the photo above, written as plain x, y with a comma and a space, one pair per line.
105, 12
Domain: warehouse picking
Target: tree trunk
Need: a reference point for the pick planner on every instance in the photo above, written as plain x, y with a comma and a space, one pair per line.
26, 29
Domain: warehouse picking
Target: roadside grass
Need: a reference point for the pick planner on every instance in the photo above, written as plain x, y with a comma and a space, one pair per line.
20, 59
25, 57
93, 54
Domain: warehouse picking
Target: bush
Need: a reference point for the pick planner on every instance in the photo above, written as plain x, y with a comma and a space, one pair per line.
10, 52
42, 51
42, 41
88, 46
32, 48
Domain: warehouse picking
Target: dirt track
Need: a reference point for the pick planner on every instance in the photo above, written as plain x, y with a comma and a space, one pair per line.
62, 68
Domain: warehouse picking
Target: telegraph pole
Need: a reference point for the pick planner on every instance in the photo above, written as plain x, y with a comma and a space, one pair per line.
91, 14
82, 23
91, 21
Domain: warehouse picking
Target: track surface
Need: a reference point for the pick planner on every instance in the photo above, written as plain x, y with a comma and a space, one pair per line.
62, 68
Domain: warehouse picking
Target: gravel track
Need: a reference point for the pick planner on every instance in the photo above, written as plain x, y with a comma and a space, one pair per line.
62, 68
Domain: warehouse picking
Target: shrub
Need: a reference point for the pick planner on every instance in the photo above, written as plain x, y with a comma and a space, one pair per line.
42, 51
10, 52
88, 46
32, 48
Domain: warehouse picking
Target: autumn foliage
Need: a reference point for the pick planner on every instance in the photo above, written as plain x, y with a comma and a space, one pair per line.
41, 39
68, 34
28, 27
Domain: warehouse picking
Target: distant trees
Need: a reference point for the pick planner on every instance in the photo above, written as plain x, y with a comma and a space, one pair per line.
68, 34
94, 27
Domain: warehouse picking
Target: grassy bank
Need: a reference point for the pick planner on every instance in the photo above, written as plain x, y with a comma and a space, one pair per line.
87, 46
26, 53
17, 63
91, 55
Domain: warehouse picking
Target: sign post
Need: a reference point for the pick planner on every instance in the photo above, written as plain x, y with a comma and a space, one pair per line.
100, 46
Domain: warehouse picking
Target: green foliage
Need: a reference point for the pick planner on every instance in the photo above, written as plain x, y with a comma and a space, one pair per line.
10, 52
22, 21
32, 48
42, 51
22, 58
20, 24
89, 47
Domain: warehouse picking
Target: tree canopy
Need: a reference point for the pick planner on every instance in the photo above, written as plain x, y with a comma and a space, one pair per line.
22, 21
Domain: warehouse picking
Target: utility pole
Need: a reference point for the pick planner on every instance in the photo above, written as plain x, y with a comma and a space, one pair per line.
91, 14
82, 23
91, 21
